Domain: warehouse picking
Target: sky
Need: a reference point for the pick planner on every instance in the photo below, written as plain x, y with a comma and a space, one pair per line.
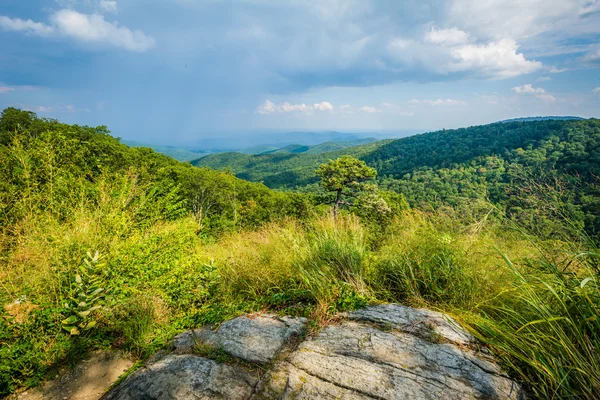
174, 71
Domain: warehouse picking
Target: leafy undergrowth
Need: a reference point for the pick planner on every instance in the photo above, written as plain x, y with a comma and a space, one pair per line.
539, 311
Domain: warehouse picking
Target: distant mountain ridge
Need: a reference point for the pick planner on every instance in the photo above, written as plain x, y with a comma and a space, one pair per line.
274, 140
541, 118
183, 154
177, 153
315, 149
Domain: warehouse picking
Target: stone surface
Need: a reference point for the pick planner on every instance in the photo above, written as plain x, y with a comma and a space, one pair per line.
381, 352
421, 322
186, 377
358, 361
179, 374
257, 339
87, 381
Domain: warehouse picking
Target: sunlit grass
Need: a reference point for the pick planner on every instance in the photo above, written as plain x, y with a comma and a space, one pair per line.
539, 311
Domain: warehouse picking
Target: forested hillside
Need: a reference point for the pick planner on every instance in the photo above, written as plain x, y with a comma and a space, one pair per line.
103, 246
488, 162
279, 170
50, 166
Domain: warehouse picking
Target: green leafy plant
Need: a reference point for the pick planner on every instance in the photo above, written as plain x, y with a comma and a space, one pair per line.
85, 296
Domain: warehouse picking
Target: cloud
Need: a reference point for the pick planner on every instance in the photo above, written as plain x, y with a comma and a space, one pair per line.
543, 79
27, 26
596, 90
593, 55
6, 89
97, 5
323, 106
451, 53
110, 6
523, 19
495, 59
93, 28
44, 109
361, 43
84, 28
439, 102
554, 70
538, 93
268, 107
369, 109
287, 107
446, 36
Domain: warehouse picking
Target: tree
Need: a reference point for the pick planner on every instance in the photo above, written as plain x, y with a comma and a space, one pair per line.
344, 177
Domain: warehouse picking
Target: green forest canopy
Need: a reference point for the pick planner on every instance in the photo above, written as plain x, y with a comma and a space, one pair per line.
450, 167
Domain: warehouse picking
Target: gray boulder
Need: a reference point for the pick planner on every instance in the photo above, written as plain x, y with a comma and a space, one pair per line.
380, 352
186, 377
354, 360
421, 322
256, 340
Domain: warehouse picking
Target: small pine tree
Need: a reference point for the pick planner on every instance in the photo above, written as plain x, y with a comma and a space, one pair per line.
344, 177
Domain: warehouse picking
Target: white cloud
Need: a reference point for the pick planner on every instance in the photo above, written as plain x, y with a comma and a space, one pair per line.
287, 107
543, 79
520, 19
28, 26
554, 70
439, 102
85, 28
446, 36
97, 5
497, 59
107, 5
268, 107
44, 109
369, 109
538, 93
93, 28
323, 106
527, 89
593, 55
6, 89
596, 90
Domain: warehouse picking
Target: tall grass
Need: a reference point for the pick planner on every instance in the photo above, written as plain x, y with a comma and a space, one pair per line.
318, 265
539, 313
546, 327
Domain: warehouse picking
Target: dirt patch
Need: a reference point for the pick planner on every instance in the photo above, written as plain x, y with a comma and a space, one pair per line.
87, 381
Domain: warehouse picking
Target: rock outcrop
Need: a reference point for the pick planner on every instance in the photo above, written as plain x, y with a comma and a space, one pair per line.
380, 352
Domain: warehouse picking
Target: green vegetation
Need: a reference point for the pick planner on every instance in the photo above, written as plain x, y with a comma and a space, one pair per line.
512, 165
279, 170
180, 246
344, 177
